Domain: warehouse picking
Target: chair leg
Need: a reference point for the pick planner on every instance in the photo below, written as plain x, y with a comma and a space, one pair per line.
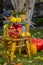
19, 49
13, 48
28, 48
4, 49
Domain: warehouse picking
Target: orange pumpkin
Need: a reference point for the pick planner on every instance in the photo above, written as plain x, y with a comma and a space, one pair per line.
33, 49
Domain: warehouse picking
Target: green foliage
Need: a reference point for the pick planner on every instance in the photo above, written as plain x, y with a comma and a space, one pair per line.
1, 32
38, 21
36, 32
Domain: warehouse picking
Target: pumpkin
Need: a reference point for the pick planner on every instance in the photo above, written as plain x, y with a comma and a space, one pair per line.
33, 48
38, 42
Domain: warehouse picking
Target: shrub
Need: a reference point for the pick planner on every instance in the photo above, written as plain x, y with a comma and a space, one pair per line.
38, 21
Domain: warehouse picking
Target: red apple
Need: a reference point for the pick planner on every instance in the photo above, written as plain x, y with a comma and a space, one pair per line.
11, 33
15, 24
15, 37
16, 33
11, 27
12, 36
19, 27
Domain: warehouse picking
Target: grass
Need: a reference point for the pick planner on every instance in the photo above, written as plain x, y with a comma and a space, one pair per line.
25, 60
36, 33
30, 61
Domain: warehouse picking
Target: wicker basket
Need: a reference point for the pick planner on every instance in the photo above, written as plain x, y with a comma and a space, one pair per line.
6, 32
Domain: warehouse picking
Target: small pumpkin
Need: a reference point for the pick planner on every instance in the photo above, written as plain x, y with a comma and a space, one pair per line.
33, 49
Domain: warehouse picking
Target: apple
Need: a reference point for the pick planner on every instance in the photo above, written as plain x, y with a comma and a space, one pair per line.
15, 36
15, 24
12, 36
19, 27
11, 33
11, 27
16, 33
